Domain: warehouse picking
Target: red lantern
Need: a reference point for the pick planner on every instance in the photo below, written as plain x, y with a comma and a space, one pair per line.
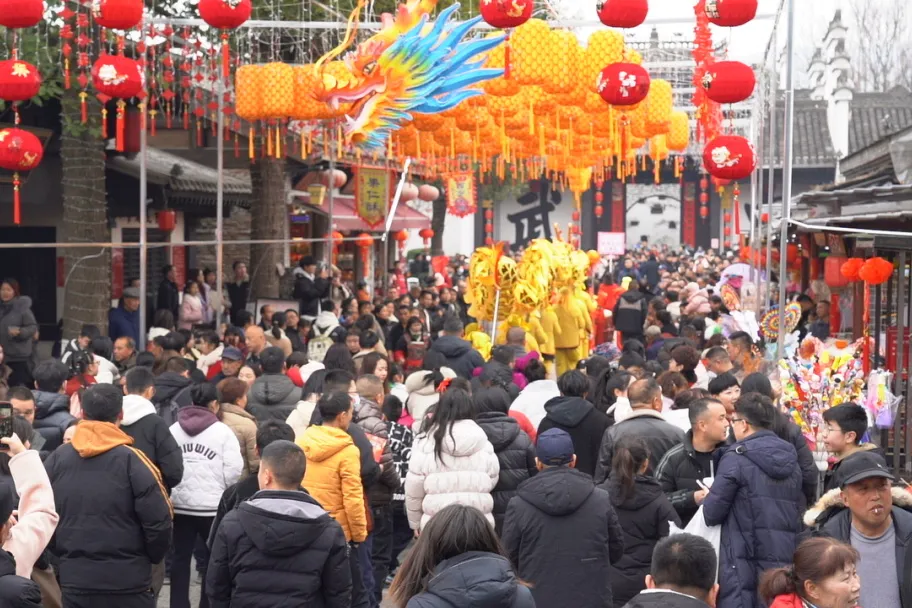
167, 220
117, 14
704, 183
764, 217
729, 81
365, 242
118, 76
832, 274
791, 253
730, 13
225, 14
19, 151
489, 241
623, 84
21, 13
337, 238
489, 214
428, 193
427, 234
506, 13
729, 157
876, 271
622, 13
599, 211
727, 217
850, 268
19, 80
704, 212
489, 228
401, 237
599, 196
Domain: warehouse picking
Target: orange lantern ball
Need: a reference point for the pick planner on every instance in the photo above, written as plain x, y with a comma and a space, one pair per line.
850, 268
426, 233
401, 236
729, 81
364, 240
876, 271
19, 80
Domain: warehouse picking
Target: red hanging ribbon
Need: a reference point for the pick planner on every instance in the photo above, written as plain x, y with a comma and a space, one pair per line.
17, 204
121, 126
226, 56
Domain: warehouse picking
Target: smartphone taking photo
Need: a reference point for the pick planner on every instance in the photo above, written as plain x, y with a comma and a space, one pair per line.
6, 421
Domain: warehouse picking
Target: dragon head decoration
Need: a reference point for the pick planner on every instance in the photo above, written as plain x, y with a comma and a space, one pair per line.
425, 69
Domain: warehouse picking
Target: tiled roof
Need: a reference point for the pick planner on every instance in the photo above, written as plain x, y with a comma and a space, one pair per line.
182, 175
876, 115
813, 145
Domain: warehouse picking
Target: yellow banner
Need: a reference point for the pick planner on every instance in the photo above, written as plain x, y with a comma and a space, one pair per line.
372, 195
462, 199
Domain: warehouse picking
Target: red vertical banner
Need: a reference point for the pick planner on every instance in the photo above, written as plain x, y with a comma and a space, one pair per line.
689, 215
617, 207
179, 261
117, 273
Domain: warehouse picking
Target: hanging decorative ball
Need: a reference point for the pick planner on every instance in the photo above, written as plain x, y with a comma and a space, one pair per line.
225, 14
729, 157
20, 150
489, 228
489, 241
792, 253
19, 80
364, 240
851, 267
730, 13
409, 193
489, 214
21, 13
704, 198
506, 13
704, 212
575, 216
426, 233
764, 217
876, 271
599, 196
336, 180
727, 217
428, 193
117, 14
622, 13
729, 81
623, 84
599, 211
726, 243
704, 183
401, 236
118, 76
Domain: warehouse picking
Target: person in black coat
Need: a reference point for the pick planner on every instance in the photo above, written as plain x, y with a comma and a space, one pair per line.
168, 297
173, 386
149, 432
280, 547
99, 477
646, 421
643, 513
52, 406
574, 414
682, 575
513, 447
16, 591
561, 532
310, 288
757, 498
459, 354
457, 562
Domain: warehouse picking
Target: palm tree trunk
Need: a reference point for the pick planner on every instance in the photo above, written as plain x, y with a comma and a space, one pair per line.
268, 217
438, 215
87, 291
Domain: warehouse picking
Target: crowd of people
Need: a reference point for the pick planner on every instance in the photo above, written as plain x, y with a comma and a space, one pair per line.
359, 451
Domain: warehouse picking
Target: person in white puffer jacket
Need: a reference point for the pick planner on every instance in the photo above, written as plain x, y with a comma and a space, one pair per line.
212, 462
452, 463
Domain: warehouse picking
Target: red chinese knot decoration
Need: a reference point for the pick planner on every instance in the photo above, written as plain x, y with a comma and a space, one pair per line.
623, 84
730, 13
729, 157
117, 14
19, 80
506, 13
728, 81
21, 13
622, 13
20, 150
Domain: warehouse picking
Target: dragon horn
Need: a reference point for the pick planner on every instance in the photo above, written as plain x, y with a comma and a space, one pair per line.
350, 32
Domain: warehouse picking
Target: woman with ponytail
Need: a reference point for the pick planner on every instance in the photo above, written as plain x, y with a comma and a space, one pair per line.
451, 463
821, 575
276, 334
643, 513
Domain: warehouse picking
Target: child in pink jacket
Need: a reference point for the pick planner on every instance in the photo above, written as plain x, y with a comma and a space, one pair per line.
27, 531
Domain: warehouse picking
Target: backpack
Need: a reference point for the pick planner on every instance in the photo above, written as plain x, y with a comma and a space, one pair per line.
319, 344
168, 411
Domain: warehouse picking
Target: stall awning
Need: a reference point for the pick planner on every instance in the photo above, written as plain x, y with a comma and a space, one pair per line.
345, 218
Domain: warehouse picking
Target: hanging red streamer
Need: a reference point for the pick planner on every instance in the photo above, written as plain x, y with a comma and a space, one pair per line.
709, 113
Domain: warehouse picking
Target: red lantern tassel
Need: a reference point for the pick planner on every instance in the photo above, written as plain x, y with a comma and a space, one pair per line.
121, 126
83, 108
186, 119
104, 123
866, 334
168, 115
152, 114
199, 133
17, 208
66, 74
237, 150
226, 56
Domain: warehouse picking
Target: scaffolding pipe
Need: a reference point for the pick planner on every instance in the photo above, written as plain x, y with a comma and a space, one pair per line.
118, 245
143, 237
788, 160
220, 200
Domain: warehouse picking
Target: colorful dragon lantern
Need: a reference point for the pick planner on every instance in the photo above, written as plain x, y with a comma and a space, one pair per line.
407, 68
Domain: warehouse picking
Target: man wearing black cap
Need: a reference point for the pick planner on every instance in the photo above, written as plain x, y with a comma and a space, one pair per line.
877, 526
309, 287
230, 365
561, 532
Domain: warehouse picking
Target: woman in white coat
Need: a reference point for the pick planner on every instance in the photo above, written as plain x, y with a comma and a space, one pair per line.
212, 462
452, 463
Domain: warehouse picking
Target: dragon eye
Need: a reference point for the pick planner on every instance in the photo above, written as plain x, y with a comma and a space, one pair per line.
370, 67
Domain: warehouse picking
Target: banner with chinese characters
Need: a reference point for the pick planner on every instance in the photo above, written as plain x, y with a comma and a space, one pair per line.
462, 199
373, 192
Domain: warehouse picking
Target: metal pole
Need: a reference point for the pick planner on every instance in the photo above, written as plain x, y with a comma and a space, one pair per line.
756, 131
398, 195
786, 167
771, 186
329, 206
761, 127
143, 251
220, 196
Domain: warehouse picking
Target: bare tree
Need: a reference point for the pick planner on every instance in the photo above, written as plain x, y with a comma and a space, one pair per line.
882, 47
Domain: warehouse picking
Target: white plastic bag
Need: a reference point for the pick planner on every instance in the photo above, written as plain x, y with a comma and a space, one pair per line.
698, 527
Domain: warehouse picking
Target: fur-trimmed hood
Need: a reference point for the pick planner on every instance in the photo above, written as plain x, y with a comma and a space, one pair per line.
831, 503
